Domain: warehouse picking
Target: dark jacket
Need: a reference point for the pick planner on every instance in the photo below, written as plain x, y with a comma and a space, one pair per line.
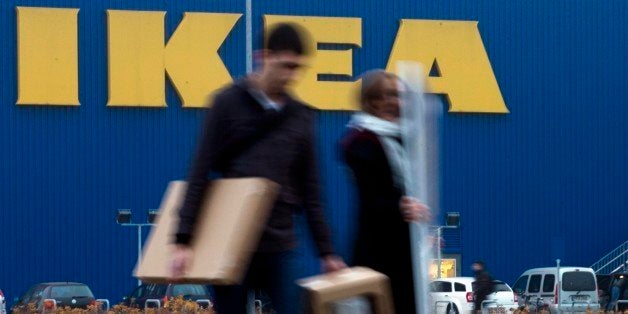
383, 240
483, 286
241, 138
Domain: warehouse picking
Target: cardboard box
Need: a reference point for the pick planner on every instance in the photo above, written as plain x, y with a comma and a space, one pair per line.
229, 227
323, 290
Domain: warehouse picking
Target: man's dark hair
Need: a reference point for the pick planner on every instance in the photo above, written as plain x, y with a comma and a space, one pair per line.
287, 37
481, 263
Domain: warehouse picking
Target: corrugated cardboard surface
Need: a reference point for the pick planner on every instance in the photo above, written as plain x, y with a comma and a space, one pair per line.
324, 289
228, 230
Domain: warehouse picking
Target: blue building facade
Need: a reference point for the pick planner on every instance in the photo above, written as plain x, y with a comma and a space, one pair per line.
545, 181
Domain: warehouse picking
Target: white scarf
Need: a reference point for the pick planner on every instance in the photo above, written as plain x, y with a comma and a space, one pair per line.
389, 134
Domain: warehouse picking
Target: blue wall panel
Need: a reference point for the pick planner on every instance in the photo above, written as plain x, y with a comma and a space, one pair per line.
66, 170
543, 182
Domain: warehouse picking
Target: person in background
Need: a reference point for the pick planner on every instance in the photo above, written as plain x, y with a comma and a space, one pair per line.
617, 290
483, 285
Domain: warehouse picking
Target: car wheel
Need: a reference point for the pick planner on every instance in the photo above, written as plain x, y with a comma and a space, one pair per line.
452, 309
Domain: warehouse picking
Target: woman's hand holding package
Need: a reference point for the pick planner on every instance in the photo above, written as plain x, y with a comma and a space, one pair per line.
413, 210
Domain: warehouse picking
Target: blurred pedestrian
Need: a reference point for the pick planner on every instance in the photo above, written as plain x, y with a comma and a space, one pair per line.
483, 285
373, 149
255, 128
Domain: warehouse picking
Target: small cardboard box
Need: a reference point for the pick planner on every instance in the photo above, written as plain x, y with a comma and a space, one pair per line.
229, 226
323, 290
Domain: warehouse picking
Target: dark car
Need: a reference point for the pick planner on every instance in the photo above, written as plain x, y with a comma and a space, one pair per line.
158, 295
56, 294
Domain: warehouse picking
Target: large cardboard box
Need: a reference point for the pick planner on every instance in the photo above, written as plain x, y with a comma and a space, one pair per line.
230, 223
320, 292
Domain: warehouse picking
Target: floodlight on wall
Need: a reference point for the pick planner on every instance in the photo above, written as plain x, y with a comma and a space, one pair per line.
152, 216
452, 219
123, 216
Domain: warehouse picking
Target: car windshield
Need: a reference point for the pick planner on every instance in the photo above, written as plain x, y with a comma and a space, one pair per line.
153, 291
70, 291
28, 294
578, 281
180, 290
499, 286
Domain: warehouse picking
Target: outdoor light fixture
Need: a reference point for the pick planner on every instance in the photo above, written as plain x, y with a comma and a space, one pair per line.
453, 219
152, 216
124, 216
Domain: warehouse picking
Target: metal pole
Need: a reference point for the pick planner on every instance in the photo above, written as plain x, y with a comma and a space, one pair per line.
249, 36
439, 253
559, 286
139, 249
248, 15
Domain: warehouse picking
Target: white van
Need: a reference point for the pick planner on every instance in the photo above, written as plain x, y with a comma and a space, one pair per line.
539, 289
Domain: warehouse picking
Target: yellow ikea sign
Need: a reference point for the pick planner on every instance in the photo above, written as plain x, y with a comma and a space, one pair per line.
139, 59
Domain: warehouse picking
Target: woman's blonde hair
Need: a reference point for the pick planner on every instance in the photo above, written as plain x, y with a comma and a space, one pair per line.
371, 87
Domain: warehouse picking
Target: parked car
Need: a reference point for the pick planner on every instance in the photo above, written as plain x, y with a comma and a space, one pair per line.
47, 296
455, 295
157, 295
3, 303
537, 288
501, 297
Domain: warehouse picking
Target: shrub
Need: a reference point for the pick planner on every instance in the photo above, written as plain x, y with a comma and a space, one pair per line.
174, 306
